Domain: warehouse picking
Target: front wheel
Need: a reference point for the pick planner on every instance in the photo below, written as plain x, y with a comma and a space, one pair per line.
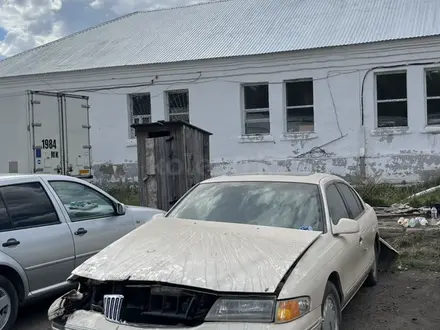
8, 304
331, 308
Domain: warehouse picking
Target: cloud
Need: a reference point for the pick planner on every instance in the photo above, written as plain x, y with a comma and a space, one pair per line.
29, 23
25, 24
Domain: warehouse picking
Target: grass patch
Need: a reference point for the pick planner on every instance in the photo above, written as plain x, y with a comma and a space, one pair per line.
126, 193
386, 194
419, 250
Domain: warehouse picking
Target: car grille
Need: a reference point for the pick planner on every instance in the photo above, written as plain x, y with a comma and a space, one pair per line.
156, 305
112, 306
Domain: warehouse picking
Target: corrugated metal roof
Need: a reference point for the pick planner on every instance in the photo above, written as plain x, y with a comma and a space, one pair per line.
229, 28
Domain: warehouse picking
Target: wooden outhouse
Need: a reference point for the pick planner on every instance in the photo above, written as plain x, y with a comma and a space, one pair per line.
172, 157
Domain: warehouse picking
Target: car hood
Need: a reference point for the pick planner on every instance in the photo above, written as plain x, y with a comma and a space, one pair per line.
218, 256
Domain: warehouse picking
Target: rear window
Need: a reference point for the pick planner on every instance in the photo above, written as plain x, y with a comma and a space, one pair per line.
276, 204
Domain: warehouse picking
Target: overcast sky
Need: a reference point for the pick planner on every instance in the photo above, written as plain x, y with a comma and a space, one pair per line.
25, 24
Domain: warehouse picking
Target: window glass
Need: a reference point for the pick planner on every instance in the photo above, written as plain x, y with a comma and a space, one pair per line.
29, 205
276, 204
256, 96
5, 222
299, 93
391, 86
336, 206
140, 110
391, 99
433, 96
178, 105
256, 109
352, 201
82, 202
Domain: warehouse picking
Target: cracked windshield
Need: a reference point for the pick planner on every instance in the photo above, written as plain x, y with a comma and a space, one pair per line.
213, 163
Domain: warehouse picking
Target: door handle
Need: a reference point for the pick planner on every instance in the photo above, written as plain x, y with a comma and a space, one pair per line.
361, 241
11, 242
80, 231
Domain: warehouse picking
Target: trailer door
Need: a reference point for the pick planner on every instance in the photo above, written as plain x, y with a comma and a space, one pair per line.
46, 132
77, 135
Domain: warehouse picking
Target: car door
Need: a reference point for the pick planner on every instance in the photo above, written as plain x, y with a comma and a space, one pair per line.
357, 212
93, 219
35, 234
349, 244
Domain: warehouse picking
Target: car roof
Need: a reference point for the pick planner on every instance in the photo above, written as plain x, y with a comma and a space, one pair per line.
312, 178
9, 176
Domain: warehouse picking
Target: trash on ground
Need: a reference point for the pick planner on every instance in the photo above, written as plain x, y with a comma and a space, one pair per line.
417, 222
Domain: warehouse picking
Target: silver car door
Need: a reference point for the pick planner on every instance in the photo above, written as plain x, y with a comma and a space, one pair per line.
35, 236
358, 212
350, 252
93, 218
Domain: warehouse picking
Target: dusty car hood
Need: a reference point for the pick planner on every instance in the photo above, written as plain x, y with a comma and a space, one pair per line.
212, 255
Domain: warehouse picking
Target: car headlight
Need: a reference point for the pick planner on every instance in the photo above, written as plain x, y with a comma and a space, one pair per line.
242, 310
291, 309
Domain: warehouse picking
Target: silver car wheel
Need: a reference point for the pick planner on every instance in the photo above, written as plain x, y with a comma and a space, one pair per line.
330, 318
5, 308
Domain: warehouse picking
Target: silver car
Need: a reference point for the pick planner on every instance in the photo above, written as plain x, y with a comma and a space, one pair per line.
50, 224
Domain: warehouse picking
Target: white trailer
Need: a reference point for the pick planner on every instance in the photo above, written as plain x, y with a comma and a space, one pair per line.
45, 132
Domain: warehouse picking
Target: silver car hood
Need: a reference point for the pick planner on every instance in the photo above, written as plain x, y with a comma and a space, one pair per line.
218, 256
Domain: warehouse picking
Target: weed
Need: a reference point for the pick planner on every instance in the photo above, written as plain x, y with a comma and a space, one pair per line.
418, 250
126, 193
386, 194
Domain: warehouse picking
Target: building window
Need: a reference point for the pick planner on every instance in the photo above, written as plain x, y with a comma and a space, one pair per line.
391, 99
178, 105
140, 110
256, 109
299, 106
433, 97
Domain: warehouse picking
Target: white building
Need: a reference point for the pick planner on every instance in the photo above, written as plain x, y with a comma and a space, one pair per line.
348, 87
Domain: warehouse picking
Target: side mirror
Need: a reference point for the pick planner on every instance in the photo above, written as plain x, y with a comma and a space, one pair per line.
346, 226
158, 215
120, 209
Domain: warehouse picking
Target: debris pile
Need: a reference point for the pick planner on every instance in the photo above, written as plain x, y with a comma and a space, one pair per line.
417, 222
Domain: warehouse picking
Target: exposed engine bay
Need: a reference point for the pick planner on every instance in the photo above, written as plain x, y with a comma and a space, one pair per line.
136, 303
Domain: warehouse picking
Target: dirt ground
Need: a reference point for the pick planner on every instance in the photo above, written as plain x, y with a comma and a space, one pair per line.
401, 300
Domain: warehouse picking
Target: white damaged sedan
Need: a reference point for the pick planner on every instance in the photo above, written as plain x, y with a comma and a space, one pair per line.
253, 252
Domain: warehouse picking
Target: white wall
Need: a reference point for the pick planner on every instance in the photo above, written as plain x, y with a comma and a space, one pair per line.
215, 105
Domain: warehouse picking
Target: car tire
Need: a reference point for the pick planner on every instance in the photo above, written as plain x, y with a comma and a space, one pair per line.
373, 275
331, 308
8, 316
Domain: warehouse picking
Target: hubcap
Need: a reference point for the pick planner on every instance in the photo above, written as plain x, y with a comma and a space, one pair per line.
5, 308
330, 315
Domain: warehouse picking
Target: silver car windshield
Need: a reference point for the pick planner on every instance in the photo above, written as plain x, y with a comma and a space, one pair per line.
276, 204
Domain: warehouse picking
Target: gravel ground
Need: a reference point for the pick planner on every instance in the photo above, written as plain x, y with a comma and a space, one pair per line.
404, 300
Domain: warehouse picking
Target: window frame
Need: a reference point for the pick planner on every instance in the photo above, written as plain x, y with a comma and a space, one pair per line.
427, 98
286, 107
132, 116
246, 111
59, 222
168, 114
327, 185
7, 213
377, 101
86, 186
356, 197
